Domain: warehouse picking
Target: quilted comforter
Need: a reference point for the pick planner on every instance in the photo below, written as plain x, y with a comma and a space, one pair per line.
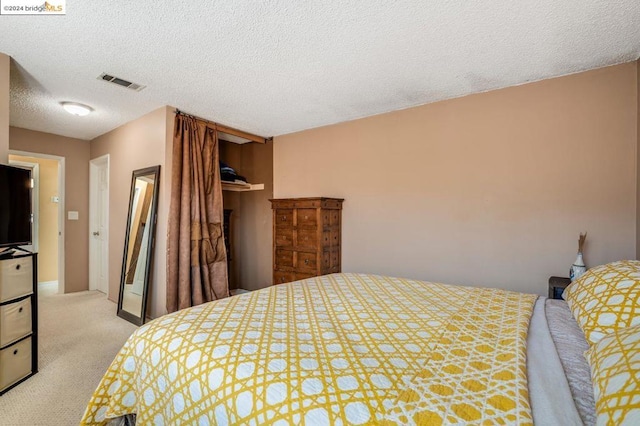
336, 349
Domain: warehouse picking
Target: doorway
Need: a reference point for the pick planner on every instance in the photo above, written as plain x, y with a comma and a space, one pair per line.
48, 212
99, 224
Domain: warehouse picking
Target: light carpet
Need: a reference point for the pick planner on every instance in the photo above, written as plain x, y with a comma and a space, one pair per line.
79, 335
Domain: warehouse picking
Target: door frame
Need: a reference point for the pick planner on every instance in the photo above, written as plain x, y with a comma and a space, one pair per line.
94, 165
61, 210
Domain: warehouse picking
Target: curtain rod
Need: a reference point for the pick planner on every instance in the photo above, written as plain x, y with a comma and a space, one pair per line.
229, 130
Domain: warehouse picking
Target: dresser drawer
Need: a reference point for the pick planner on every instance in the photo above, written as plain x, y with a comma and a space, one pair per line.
303, 276
330, 218
284, 258
326, 260
281, 277
334, 219
283, 204
284, 237
307, 238
16, 278
331, 261
307, 218
335, 260
283, 217
306, 261
15, 362
331, 238
15, 321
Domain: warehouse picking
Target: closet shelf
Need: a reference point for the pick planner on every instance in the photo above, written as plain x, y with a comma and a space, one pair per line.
241, 187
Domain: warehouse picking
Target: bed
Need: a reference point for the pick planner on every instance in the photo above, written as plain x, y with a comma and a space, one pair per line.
354, 349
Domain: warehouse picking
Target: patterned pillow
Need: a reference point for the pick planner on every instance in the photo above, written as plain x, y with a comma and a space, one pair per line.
606, 298
615, 371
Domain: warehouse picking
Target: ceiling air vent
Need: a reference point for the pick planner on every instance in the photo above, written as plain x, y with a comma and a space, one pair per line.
121, 82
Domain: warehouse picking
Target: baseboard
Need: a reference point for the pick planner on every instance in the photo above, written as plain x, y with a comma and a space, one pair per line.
48, 282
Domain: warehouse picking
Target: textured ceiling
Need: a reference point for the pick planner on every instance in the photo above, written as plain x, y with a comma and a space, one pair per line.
274, 67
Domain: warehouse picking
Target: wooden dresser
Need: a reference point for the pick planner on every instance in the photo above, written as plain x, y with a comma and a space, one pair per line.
307, 239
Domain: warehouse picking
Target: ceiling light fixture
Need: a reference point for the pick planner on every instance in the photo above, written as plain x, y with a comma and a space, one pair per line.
76, 108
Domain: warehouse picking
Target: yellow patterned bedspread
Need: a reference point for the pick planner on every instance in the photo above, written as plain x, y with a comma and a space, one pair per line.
337, 349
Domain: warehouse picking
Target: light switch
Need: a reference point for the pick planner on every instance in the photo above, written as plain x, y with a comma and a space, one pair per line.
55, 199
71, 215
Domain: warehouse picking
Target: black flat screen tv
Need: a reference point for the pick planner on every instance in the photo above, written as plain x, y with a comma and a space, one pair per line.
15, 206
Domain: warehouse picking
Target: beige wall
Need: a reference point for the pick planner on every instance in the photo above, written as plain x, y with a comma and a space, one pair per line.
47, 218
76, 193
5, 63
48, 226
138, 144
487, 190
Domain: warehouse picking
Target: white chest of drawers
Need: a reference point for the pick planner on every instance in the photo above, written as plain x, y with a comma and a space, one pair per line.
18, 319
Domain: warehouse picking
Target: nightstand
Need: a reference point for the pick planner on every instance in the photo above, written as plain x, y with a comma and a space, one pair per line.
557, 286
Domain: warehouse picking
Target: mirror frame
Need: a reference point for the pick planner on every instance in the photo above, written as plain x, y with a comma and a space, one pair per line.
155, 171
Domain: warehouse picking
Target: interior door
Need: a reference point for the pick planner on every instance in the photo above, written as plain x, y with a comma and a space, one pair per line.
99, 238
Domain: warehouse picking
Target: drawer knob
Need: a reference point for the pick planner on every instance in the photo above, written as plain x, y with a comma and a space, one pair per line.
306, 262
282, 279
15, 352
20, 310
284, 218
306, 217
18, 267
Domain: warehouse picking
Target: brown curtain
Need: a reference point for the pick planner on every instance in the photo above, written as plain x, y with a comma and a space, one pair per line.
196, 255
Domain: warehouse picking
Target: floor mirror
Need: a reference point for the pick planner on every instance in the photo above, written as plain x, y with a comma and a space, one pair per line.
138, 245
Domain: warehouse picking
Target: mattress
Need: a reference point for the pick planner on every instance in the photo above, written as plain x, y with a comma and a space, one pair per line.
343, 348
